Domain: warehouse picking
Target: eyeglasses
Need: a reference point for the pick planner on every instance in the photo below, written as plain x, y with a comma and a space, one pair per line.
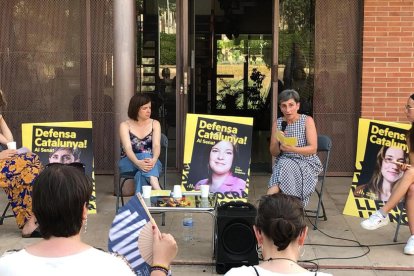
409, 107
77, 165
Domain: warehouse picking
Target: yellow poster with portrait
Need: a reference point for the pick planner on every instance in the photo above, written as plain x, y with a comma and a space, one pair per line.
63, 142
381, 145
217, 153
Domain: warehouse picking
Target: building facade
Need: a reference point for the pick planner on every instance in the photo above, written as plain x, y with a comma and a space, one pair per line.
82, 60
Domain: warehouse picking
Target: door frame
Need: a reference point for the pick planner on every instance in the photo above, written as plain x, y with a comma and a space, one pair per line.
184, 70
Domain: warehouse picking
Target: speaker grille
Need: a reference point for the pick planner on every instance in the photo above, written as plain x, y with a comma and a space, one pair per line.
238, 238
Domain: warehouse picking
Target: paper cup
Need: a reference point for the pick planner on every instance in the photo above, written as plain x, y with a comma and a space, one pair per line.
204, 203
146, 191
205, 189
11, 145
177, 191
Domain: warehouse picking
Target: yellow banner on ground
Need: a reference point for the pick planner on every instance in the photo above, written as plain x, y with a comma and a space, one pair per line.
63, 142
380, 146
217, 153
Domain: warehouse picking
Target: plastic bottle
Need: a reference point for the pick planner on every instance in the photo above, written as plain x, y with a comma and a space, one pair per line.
188, 227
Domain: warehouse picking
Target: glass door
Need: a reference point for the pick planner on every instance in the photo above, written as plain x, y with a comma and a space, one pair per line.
231, 61
157, 63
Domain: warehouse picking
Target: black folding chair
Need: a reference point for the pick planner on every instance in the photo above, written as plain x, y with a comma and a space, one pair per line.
324, 151
3, 216
400, 221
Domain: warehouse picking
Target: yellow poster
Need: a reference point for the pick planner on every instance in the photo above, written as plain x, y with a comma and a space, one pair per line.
217, 153
63, 142
381, 146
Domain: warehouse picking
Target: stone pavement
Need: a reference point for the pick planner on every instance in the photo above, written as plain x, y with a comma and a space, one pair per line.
195, 258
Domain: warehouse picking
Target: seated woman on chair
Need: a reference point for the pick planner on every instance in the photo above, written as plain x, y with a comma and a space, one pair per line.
18, 171
141, 138
296, 168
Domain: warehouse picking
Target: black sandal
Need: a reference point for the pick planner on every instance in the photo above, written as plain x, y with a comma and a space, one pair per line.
34, 234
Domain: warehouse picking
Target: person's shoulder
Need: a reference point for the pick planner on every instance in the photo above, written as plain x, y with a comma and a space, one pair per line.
113, 260
242, 270
307, 119
124, 124
200, 182
155, 123
11, 256
237, 180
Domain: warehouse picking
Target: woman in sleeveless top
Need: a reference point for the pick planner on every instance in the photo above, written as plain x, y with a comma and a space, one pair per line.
296, 168
140, 139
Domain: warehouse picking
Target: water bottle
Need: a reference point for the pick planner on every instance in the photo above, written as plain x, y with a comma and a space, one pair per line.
188, 227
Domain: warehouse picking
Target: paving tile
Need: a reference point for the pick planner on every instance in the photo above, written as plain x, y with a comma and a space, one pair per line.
195, 257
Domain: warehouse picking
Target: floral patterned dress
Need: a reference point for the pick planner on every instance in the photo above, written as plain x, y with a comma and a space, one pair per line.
16, 178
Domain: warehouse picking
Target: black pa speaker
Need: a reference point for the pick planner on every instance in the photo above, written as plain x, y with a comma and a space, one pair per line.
235, 240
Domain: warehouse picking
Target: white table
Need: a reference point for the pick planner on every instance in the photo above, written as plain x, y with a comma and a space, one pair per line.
211, 210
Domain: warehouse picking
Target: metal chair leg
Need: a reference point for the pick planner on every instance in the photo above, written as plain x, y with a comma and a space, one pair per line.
121, 188
3, 216
398, 228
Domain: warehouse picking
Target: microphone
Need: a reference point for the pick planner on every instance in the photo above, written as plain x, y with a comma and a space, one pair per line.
284, 125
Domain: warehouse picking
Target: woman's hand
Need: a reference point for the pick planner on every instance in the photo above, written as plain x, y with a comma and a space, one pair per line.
402, 166
287, 148
143, 165
7, 154
164, 248
150, 161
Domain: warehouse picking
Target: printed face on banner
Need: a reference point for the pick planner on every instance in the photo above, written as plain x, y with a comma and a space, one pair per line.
221, 157
62, 155
381, 145
390, 171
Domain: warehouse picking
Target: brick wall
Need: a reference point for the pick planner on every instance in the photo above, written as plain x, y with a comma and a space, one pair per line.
388, 59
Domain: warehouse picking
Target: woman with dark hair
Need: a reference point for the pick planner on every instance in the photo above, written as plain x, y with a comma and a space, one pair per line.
385, 175
18, 171
220, 167
141, 144
404, 188
280, 230
61, 195
296, 167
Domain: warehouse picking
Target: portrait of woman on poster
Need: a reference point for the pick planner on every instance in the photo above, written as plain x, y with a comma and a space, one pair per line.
385, 175
221, 164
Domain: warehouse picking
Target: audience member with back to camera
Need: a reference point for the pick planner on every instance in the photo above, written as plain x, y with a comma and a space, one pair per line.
18, 171
385, 175
280, 230
221, 162
141, 144
404, 188
296, 168
60, 199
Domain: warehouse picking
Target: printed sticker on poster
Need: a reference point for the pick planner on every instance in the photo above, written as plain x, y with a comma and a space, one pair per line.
217, 153
63, 142
381, 146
